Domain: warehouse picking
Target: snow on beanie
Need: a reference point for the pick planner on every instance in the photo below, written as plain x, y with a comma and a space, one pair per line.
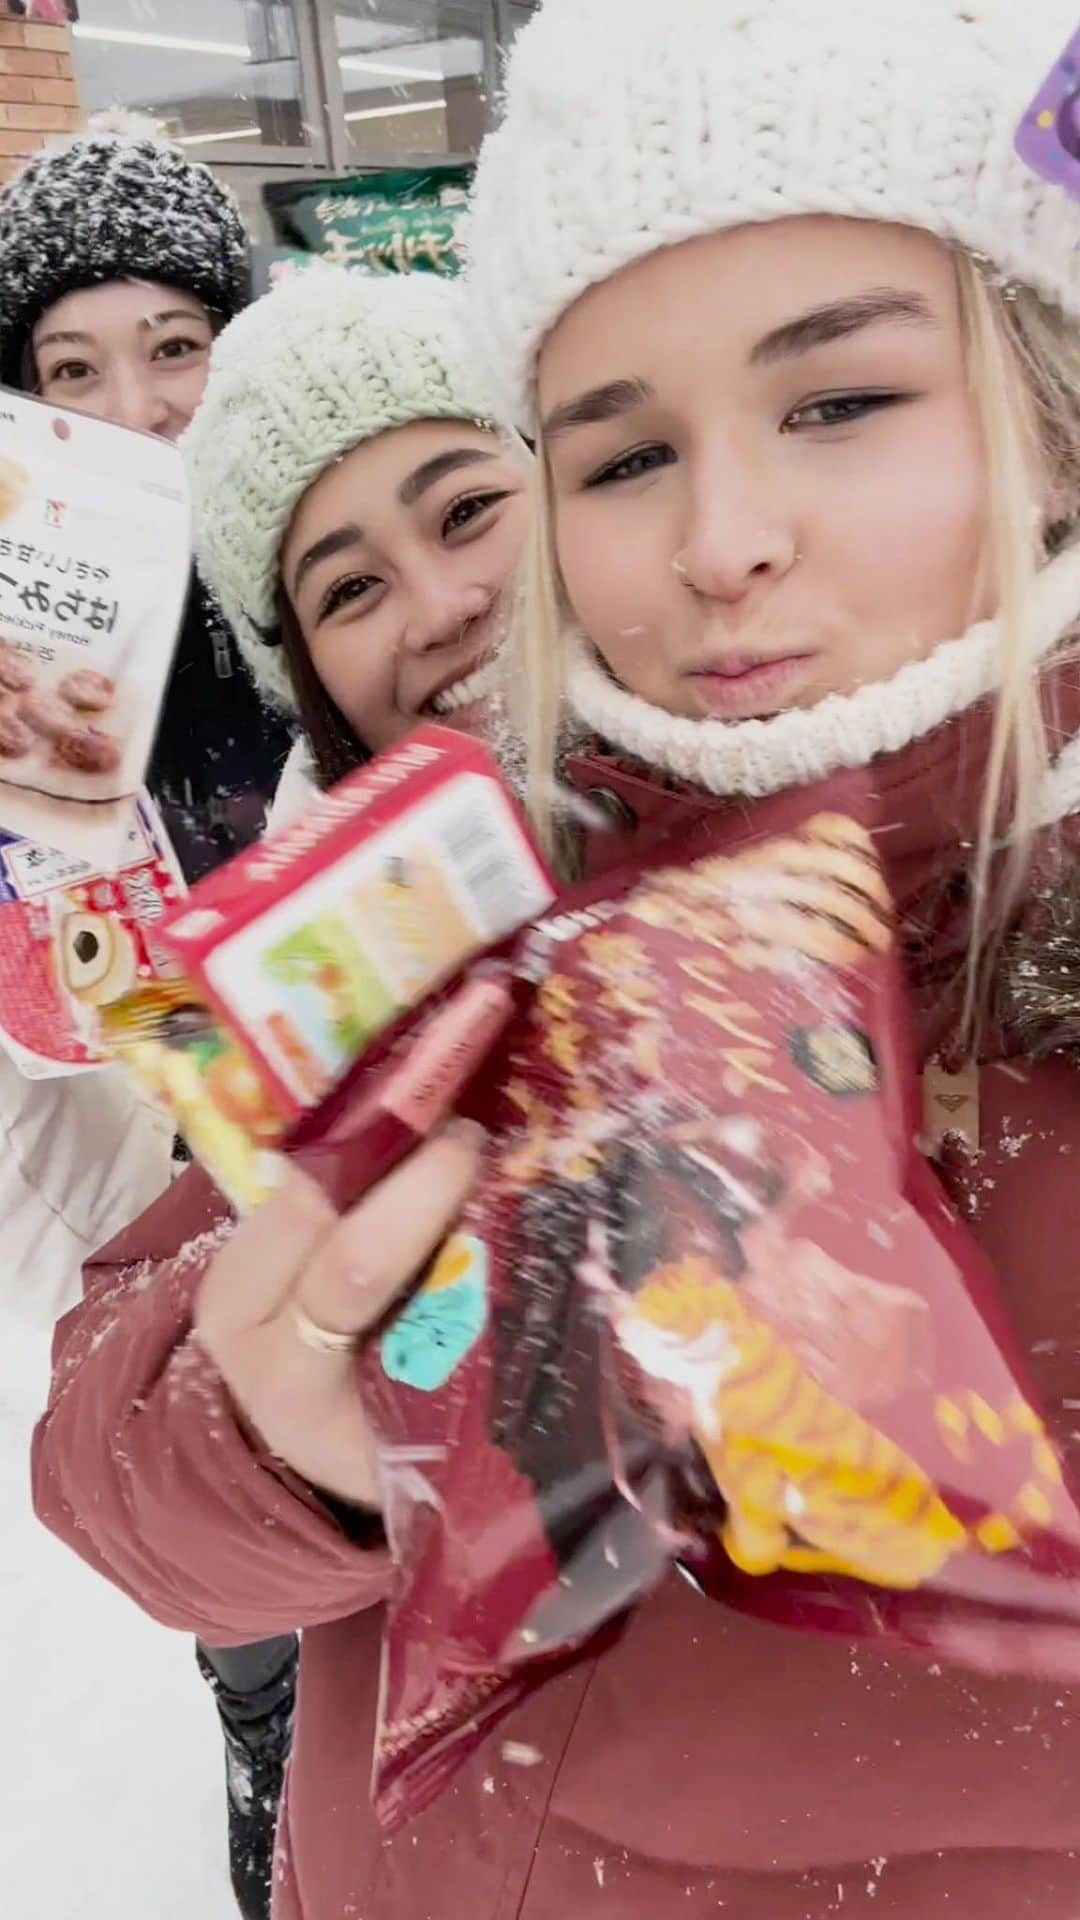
634, 124
326, 361
116, 202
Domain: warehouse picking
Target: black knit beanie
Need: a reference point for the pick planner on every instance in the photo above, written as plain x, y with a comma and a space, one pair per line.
115, 203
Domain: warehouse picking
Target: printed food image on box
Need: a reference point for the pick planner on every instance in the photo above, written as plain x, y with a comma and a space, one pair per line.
333, 1001
414, 921
199, 1075
329, 967
349, 971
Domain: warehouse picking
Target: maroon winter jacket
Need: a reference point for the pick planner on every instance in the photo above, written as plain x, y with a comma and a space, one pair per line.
707, 1764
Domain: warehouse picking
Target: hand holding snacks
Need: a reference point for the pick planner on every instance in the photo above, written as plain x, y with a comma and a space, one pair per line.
290, 1297
304, 953
706, 1304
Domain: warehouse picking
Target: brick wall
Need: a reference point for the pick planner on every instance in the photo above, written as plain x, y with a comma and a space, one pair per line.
38, 96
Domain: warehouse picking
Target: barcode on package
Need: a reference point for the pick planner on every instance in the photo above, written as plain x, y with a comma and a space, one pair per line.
490, 862
34, 870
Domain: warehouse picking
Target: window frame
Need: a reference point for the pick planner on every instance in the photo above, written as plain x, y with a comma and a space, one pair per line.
344, 158
322, 96
316, 156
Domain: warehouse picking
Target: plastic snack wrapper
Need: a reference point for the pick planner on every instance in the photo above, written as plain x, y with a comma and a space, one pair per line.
95, 558
708, 1307
75, 940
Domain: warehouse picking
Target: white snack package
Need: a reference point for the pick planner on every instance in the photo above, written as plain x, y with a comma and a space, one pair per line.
95, 560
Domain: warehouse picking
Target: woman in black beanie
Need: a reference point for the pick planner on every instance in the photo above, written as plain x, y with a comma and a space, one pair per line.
120, 260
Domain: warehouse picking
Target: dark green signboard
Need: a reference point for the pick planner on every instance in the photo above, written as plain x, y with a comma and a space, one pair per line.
380, 222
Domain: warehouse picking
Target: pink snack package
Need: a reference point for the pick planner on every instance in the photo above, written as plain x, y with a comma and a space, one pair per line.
75, 940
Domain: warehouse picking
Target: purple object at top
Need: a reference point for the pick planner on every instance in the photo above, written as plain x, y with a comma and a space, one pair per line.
1048, 137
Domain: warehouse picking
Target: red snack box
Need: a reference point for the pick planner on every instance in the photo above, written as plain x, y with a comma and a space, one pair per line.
311, 945
405, 1087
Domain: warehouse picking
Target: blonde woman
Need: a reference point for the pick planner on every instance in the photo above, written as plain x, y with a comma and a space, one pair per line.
795, 333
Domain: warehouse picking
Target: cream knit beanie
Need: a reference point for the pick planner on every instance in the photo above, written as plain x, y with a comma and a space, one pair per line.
326, 361
634, 124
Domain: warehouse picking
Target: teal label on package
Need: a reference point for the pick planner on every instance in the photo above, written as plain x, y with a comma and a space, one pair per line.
443, 1322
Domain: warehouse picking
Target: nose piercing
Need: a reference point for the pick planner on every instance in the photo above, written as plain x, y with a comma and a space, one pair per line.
679, 566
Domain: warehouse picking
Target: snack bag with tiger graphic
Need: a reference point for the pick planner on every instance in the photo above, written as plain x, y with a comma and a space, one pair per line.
709, 1306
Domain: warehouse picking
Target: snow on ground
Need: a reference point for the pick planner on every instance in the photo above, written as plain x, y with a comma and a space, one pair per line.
112, 1800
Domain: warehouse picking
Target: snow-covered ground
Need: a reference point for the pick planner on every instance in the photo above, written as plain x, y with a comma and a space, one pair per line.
111, 1792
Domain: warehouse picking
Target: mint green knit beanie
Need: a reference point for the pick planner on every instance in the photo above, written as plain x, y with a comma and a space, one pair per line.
328, 360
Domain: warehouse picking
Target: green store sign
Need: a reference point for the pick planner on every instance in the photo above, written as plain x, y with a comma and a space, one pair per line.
404, 221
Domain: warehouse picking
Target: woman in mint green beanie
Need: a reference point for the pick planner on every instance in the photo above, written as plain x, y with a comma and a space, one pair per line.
357, 513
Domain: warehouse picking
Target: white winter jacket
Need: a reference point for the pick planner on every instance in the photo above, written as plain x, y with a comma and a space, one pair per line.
297, 787
80, 1158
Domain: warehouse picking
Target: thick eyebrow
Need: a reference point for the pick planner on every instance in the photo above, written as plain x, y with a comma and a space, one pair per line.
69, 339
600, 404
432, 471
838, 319
341, 540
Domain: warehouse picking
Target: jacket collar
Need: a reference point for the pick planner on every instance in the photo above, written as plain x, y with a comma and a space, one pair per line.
922, 805
917, 803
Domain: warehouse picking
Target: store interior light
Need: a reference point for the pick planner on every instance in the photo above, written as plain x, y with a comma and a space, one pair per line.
392, 113
359, 63
163, 42
212, 139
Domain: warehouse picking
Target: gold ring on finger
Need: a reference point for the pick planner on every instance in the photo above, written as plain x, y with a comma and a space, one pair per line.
323, 1339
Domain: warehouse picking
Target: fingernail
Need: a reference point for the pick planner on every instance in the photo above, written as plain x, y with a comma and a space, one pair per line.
272, 1171
468, 1133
